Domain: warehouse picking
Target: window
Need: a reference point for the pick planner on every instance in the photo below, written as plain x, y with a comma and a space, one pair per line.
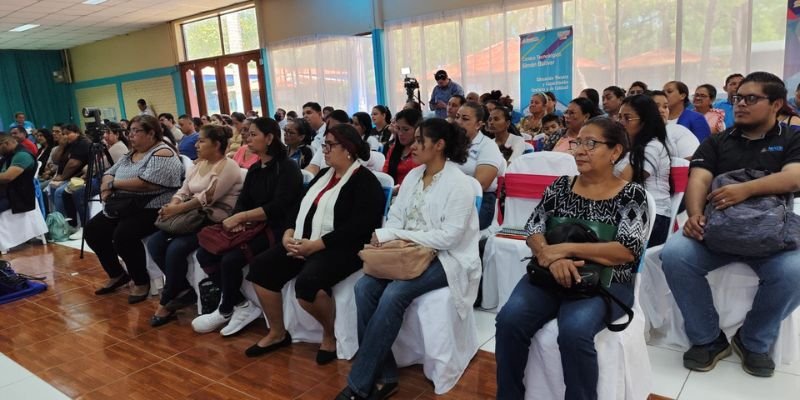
225, 84
333, 71
225, 33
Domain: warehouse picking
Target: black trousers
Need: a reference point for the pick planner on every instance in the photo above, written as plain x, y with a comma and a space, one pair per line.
114, 238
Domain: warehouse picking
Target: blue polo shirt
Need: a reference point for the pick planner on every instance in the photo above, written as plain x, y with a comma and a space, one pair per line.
186, 146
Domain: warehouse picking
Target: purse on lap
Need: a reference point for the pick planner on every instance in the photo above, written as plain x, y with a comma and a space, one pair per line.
396, 260
595, 278
184, 223
216, 240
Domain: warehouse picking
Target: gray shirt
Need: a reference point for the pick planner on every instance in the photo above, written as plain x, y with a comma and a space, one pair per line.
444, 94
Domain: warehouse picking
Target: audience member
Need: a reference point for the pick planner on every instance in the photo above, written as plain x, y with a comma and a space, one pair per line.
552, 102
455, 102
19, 120
731, 85
238, 140
312, 113
592, 95
499, 127
144, 108
270, 193
612, 101
687, 258
440, 95
46, 143
382, 118
594, 195
484, 160
18, 132
637, 87
168, 120
363, 124
678, 98
133, 190
681, 142
579, 110
115, 141
71, 162
398, 160
703, 100
17, 172
188, 144
212, 187
342, 207
648, 161
297, 135
532, 124
473, 97
326, 112
436, 209
244, 156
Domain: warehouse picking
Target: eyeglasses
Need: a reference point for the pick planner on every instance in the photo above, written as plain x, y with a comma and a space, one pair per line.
627, 118
136, 131
749, 99
588, 144
327, 146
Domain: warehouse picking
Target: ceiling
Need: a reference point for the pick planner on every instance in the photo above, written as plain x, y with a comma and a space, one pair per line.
69, 23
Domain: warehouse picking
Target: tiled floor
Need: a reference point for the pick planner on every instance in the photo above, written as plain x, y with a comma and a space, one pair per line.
67, 342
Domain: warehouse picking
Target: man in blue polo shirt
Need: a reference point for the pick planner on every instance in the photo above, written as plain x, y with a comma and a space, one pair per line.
445, 89
731, 86
187, 144
756, 141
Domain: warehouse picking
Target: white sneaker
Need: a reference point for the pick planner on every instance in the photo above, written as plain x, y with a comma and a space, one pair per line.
209, 322
77, 235
243, 315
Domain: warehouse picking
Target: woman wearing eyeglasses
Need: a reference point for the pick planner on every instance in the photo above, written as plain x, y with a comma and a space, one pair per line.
579, 110
596, 194
678, 98
648, 161
342, 207
703, 101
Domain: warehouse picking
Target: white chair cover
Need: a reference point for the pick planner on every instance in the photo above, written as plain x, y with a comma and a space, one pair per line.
376, 160
16, 229
188, 164
677, 198
435, 336
307, 176
304, 328
624, 366
502, 267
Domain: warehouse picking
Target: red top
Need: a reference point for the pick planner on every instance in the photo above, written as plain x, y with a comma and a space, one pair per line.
30, 147
406, 164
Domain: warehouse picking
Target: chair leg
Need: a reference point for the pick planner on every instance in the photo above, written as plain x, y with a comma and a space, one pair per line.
43, 239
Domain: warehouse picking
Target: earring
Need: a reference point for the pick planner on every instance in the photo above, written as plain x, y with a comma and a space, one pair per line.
348, 156
613, 161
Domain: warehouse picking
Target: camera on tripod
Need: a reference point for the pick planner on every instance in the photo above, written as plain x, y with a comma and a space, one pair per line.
411, 85
96, 128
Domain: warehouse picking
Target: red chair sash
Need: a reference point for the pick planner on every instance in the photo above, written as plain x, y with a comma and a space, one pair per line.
527, 186
679, 178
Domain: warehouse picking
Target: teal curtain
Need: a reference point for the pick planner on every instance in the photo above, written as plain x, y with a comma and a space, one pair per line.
27, 85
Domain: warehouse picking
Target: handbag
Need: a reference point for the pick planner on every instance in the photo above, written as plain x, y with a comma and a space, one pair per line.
595, 278
210, 295
121, 205
396, 259
757, 227
184, 223
216, 240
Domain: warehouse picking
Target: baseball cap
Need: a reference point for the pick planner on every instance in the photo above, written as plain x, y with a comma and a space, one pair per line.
440, 74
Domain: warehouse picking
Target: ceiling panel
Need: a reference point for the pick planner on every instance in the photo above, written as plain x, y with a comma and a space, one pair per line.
68, 23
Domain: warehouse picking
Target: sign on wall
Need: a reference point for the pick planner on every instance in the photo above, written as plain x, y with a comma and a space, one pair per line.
546, 64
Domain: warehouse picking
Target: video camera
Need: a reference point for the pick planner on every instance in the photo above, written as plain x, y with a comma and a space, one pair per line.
411, 85
95, 128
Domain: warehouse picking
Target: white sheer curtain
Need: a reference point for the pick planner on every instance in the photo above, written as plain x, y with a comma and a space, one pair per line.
478, 47
332, 70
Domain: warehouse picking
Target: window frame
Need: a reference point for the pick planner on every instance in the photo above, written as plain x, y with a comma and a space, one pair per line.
218, 14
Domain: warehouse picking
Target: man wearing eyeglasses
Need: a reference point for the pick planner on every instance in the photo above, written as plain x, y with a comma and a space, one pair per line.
445, 89
756, 141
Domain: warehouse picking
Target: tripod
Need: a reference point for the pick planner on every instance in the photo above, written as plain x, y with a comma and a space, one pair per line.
95, 168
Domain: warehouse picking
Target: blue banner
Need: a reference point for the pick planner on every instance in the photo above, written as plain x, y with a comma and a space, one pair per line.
546, 65
791, 60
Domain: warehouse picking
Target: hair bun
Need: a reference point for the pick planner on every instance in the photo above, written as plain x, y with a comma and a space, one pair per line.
228, 131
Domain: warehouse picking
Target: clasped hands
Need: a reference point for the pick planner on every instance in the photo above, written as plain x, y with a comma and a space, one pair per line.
300, 248
556, 258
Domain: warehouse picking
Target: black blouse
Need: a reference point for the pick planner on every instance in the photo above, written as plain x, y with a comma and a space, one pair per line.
277, 188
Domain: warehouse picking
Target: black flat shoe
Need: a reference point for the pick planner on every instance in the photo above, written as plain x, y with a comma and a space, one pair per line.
388, 390
256, 350
325, 357
122, 281
347, 394
138, 298
189, 298
156, 321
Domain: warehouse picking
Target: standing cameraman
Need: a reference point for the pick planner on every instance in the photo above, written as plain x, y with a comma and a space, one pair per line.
444, 90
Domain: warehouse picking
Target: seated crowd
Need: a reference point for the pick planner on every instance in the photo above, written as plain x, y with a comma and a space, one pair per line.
247, 179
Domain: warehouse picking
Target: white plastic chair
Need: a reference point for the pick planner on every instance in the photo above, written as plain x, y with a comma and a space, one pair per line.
387, 183
188, 164
624, 366
376, 161
307, 177
733, 288
16, 229
502, 267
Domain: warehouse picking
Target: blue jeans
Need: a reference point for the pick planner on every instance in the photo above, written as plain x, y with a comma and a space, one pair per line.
381, 305
486, 213
170, 253
528, 309
686, 262
58, 198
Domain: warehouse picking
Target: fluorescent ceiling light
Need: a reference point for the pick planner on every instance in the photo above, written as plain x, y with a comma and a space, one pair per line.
94, 2
23, 28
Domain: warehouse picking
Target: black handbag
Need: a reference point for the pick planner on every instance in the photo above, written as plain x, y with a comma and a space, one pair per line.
595, 278
210, 295
121, 205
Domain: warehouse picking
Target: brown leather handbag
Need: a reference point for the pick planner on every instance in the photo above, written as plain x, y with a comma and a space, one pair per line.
396, 259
